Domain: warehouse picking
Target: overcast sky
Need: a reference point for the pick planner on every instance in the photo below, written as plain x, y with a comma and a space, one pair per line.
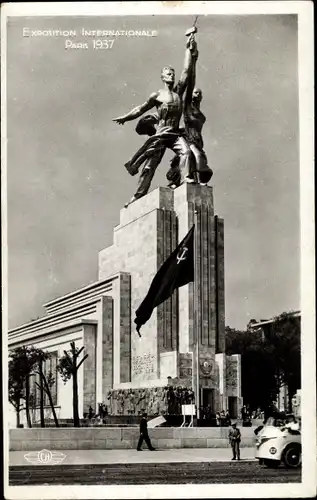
66, 179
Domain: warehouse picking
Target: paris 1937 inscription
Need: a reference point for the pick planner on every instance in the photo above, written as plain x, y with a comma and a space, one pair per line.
88, 39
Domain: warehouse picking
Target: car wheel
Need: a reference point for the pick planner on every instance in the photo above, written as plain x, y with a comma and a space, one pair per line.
272, 464
292, 456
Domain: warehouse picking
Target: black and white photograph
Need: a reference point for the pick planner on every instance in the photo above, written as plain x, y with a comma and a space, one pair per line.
158, 250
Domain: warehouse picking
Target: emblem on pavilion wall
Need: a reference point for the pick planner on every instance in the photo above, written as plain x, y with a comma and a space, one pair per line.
206, 367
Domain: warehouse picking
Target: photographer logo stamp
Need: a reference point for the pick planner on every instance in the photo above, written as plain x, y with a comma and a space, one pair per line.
45, 457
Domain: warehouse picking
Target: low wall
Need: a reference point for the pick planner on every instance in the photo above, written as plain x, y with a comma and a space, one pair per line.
94, 438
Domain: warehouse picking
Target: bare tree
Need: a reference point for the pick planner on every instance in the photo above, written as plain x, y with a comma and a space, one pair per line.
68, 368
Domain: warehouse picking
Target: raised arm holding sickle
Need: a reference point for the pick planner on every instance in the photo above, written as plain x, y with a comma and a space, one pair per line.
194, 121
169, 107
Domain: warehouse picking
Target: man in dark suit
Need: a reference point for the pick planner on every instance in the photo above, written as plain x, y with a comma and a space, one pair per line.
234, 440
144, 434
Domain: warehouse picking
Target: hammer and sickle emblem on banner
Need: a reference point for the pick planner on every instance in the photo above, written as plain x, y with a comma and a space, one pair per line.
182, 254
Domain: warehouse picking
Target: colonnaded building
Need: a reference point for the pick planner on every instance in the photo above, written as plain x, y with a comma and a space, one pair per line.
121, 365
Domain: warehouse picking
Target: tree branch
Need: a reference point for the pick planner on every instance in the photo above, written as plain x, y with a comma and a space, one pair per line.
85, 357
80, 350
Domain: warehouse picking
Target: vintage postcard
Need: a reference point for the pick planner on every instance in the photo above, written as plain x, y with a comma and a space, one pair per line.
158, 250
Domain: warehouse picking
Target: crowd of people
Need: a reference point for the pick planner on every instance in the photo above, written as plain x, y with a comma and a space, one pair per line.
210, 418
223, 418
207, 416
164, 401
100, 416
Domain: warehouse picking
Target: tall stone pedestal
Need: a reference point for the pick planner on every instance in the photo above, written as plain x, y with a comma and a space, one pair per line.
148, 232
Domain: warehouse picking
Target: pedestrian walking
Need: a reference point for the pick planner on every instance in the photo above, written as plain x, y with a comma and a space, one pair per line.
234, 440
144, 434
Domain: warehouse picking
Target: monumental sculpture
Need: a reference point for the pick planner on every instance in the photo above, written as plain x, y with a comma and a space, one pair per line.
194, 121
163, 127
181, 358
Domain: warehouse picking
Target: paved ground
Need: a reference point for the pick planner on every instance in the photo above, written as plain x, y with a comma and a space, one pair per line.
86, 457
151, 473
178, 466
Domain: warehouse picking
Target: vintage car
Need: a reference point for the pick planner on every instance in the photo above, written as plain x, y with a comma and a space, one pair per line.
278, 443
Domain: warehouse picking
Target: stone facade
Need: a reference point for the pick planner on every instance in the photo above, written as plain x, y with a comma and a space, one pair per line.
177, 345
148, 232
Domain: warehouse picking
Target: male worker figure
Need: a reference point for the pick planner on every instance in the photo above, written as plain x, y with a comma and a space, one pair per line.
144, 434
234, 440
169, 107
